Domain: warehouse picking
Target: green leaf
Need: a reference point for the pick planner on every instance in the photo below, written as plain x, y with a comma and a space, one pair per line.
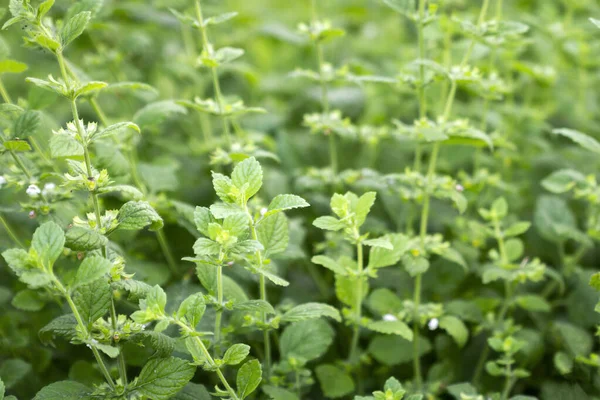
554, 220
285, 202
381, 257
585, 141
329, 223
13, 371
74, 27
63, 390
392, 328
334, 381
92, 268
562, 181
532, 302
93, 300
518, 228
236, 354
154, 114
17, 145
28, 300
135, 215
91, 87
192, 309
12, 67
248, 378
161, 343
192, 391
115, 129
203, 217
306, 340
162, 378
575, 340
255, 305
459, 389
455, 328
65, 146
363, 207
63, 326
247, 176
563, 363
383, 301
27, 124
43, 9
277, 393
330, 264
273, 234
206, 247
392, 350
454, 256
48, 242
111, 351
309, 311
136, 289
382, 242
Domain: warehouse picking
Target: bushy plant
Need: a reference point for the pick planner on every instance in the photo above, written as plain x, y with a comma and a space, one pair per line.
411, 213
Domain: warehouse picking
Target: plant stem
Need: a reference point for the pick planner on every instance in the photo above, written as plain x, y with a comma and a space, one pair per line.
84, 329
421, 89
210, 360
219, 308
358, 305
507, 384
164, 245
215, 77
4, 93
95, 201
263, 297
10, 232
333, 157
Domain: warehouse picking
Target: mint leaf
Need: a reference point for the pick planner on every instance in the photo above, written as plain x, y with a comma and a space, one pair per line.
248, 378
329, 223
93, 300
273, 234
28, 300
310, 311
285, 202
63, 390
455, 328
135, 215
161, 378
236, 354
247, 176
74, 27
92, 268
334, 381
192, 309
79, 238
48, 242
306, 340
392, 328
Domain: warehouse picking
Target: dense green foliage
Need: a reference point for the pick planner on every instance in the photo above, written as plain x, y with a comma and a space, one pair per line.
267, 199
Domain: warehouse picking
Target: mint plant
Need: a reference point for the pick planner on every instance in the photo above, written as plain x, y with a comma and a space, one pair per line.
156, 236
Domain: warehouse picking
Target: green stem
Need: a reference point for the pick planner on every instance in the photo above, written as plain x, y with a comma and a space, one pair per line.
333, 157
164, 246
358, 306
263, 297
481, 363
266, 338
10, 232
95, 201
211, 361
219, 308
416, 327
215, 76
421, 89
4, 93
507, 384
83, 328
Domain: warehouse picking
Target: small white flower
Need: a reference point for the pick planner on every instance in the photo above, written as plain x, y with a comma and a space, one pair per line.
33, 191
433, 324
459, 187
390, 317
49, 187
2, 180
263, 211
